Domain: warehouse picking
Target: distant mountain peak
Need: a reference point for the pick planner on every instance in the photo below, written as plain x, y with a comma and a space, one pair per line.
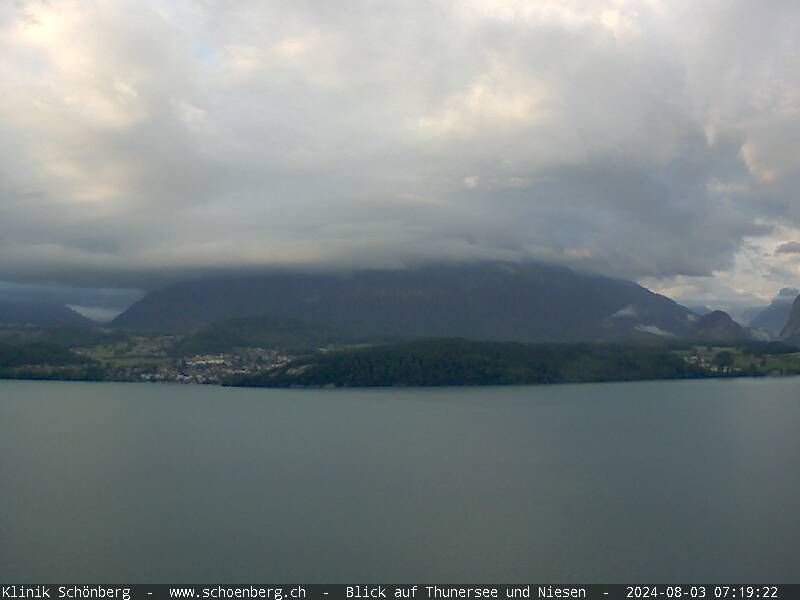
718, 326
787, 294
774, 318
791, 332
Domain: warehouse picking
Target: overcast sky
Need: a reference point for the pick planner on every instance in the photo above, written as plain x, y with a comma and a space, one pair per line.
658, 141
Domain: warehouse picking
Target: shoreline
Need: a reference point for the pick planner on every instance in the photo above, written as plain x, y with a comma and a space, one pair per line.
404, 386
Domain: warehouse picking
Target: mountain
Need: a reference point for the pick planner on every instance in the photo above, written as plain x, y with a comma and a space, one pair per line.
719, 327
700, 309
750, 313
289, 335
791, 333
499, 301
97, 304
41, 314
774, 317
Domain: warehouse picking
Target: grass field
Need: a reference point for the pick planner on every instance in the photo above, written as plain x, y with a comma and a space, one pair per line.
740, 359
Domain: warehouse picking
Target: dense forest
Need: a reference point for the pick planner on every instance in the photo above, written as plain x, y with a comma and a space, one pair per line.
38, 354
45, 361
464, 362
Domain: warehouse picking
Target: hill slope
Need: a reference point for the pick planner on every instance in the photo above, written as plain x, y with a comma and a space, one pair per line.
525, 302
791, 333
719, 327
774, 317
40, 314
283, 334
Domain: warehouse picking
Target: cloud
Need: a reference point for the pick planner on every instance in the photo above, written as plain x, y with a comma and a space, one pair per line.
788, 248
143, 141
787, 294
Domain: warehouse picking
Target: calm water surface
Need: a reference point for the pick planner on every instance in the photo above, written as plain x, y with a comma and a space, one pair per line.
662, 481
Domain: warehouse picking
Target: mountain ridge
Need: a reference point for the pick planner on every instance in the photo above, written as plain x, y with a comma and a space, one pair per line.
791, 332
500, 301
773, 318
40, 314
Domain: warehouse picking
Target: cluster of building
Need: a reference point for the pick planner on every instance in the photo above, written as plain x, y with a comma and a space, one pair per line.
713, 364
214, 368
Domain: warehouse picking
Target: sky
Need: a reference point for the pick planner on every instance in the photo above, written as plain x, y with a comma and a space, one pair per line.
143, 141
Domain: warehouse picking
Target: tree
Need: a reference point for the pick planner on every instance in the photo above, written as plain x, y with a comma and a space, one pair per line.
724, 359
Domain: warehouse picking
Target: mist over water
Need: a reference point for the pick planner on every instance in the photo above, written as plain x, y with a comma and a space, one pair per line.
661, 481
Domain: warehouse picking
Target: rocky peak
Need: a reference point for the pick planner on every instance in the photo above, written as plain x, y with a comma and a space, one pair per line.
791, 332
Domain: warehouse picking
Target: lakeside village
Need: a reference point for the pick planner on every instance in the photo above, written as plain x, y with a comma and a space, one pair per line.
149, 360
106, 355
217, 368
209, 368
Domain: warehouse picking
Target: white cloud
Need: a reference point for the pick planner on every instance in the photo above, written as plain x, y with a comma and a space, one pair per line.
644, 139
471, 182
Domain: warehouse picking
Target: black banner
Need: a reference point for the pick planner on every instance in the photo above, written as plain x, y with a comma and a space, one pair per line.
386, 592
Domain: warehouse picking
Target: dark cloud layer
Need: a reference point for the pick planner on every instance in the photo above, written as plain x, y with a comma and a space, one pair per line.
144, 141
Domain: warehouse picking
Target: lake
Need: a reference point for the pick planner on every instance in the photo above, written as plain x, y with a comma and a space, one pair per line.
681, 481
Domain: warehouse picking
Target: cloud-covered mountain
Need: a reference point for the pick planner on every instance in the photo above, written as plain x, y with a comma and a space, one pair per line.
503, 301
140, 139
99, 305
